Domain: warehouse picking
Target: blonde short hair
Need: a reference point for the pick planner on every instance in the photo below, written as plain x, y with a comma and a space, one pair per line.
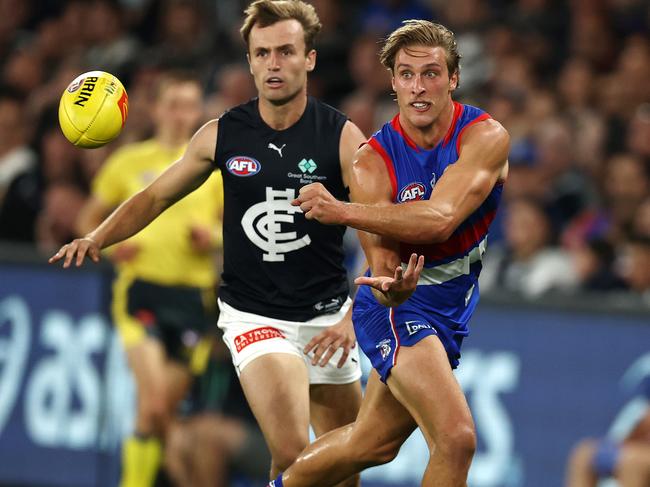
268, 12
423, 33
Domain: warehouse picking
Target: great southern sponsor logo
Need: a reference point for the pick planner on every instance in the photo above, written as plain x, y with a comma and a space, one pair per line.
307, 166
263, 223
412, 192
243, 166
256, 335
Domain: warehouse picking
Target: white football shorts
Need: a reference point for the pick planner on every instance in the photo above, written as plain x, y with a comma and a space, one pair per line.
249, 336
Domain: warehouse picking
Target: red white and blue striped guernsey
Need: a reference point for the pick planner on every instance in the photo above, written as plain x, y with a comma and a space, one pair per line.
447, 292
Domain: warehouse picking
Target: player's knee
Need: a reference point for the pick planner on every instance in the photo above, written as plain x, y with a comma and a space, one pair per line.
371, 450
458, 443
380, 454
284, 455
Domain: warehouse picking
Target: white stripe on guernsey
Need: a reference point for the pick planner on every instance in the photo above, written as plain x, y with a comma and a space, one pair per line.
391, 318
451, 270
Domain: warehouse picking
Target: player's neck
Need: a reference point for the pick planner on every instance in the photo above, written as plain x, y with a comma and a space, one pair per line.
431, 135
281, 117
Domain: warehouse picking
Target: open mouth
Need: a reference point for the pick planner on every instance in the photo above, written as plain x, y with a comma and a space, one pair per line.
420, 106
274, 82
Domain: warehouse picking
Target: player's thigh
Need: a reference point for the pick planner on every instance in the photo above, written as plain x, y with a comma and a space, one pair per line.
382, 425
177, 383
333, 405
423, 381
147, 361
276, 386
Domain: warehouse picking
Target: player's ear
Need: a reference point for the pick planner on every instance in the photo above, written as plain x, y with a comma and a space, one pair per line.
311, 60
248, 58
453, 81
392, 81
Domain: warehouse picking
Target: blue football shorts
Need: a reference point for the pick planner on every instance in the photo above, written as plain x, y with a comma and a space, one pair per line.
382, 331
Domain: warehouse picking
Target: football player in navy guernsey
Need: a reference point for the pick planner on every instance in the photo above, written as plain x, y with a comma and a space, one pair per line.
284, 306
424, 190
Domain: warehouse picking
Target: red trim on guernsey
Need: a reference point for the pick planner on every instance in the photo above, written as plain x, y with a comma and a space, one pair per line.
391, 318
458, 244
397, 126
480, 118
458, 112
374, 143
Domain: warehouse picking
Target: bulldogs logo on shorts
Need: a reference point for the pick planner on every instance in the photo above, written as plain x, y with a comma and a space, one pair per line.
384, 348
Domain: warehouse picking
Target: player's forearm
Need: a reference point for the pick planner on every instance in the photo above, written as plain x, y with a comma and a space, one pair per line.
128, 219
416, 222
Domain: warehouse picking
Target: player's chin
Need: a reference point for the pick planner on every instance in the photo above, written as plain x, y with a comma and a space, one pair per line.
280, 97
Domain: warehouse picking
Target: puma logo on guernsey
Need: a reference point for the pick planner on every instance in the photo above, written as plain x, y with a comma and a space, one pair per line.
276, 148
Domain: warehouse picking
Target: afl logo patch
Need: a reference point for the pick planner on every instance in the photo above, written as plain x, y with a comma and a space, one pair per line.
412, 192
243, 166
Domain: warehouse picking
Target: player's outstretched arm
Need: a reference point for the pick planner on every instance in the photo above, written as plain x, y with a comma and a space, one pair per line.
183, 177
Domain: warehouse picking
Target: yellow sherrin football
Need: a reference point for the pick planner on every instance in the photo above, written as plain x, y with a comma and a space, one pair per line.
93, 109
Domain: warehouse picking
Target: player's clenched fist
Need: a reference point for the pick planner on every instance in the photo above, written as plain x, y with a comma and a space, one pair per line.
317, 203
77, 249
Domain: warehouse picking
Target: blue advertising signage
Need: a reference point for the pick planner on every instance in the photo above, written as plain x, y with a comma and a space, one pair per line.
537, 380
59, 368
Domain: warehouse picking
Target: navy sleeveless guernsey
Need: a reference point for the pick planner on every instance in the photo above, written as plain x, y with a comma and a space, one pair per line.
277, 263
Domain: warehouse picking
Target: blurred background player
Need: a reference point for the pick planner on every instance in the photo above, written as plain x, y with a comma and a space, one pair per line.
163, 301
216, 442
624, 454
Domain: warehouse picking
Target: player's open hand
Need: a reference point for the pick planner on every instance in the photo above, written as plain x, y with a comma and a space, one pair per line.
325, 344
318, 204
77, 250
393, 291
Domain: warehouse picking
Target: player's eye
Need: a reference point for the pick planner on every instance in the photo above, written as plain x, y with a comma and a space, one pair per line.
406, 74
431, 74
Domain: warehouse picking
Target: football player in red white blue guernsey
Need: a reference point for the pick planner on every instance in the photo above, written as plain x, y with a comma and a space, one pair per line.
424, 191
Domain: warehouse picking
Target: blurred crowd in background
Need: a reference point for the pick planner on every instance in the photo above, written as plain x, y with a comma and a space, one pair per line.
568, 79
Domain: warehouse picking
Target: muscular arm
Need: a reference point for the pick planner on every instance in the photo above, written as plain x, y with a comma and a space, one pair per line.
461, 189
370, 185
351, 140
459, 192
180, 179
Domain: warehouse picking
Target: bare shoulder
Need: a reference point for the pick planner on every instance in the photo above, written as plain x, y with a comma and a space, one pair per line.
204, 142
368, 158
487, 133
352, 134
371, 180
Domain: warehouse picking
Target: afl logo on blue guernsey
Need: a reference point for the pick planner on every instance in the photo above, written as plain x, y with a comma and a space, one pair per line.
243, 166
412, 192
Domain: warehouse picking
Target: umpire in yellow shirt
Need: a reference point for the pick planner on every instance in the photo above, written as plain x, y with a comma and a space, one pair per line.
163, 296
